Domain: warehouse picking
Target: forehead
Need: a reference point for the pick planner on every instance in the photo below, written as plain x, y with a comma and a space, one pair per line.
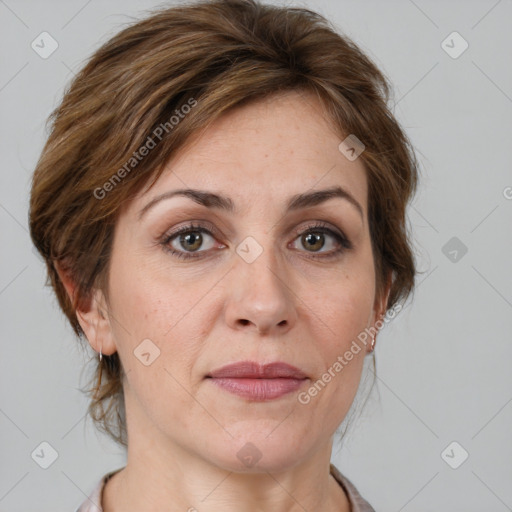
276, 147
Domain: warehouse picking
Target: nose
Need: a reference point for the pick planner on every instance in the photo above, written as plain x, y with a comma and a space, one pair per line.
259, 297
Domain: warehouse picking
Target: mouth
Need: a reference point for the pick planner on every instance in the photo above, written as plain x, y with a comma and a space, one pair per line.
258, 382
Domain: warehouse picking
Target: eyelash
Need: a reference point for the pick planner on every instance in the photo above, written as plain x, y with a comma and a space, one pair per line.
318, 227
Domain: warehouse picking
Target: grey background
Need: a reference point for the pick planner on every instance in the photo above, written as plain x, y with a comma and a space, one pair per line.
443, 364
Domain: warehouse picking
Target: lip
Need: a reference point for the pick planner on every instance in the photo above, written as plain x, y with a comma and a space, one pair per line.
254, 370
258, 382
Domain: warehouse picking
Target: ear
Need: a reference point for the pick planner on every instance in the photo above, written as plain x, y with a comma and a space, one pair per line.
93, 317
381, 302
379, 308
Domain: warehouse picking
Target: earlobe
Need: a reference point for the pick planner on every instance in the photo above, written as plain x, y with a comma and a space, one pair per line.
95, 322
381, 303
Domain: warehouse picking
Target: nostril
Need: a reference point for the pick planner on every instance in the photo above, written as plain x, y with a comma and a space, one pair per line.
243, 321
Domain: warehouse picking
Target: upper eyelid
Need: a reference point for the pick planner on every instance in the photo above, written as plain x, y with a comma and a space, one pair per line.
285, 226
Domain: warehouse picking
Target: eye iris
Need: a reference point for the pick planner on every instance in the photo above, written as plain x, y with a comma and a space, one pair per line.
314, 241
191, 241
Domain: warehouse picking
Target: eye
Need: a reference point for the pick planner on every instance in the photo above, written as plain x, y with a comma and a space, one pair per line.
192, 241
322, 240
188, 240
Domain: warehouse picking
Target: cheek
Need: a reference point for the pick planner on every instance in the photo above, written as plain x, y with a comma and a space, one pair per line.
150, 304
147, 307
343, 353
148, 299
345, 303
342, 310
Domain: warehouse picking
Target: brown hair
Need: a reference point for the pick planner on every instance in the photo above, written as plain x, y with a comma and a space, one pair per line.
219, 54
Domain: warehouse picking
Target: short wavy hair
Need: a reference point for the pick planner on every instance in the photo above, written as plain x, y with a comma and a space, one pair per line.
222, 54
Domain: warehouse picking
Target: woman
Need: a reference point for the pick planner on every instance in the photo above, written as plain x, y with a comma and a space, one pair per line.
221, 207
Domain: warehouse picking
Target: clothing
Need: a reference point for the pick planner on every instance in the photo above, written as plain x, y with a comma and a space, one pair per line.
357, 502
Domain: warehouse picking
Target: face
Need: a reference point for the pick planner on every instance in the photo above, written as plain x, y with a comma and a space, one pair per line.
266, 272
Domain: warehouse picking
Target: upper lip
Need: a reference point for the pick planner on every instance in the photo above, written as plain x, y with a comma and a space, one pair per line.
255, 370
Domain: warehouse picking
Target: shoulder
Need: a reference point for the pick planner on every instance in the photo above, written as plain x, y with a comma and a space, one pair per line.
93, 501
357, 502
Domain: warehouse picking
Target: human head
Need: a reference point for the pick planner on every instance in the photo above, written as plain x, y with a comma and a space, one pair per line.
212, 57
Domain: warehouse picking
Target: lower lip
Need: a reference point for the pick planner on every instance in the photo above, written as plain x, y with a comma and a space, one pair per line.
259, 389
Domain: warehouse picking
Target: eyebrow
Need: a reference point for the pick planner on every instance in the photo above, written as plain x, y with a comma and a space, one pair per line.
296, 202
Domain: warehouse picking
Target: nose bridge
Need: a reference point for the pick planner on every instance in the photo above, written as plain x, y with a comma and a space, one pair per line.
260, 294
259, 270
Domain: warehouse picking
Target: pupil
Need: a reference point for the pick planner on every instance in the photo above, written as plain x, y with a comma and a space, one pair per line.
192, 240
314, 241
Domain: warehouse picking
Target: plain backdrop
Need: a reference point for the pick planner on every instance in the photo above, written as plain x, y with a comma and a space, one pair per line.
444, 386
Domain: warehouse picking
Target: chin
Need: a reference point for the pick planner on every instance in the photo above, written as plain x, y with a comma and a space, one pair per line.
253, 450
